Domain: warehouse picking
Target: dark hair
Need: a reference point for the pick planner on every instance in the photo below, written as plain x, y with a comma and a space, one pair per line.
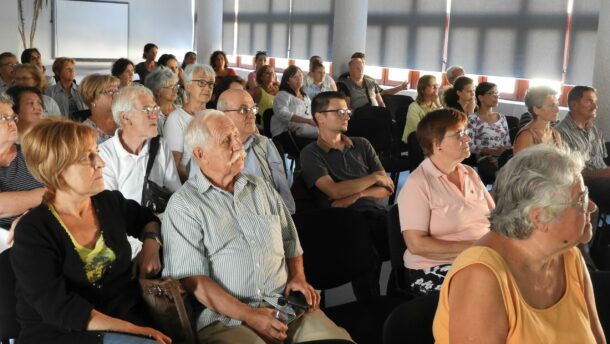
450, 95
321, 100
259, 53
289, 73
315, 65
6, 54
577, 92
164, 59
16, 92
358, 55
119, 66
213, 59
26, 55
147, 48
186, 56
225, 82
261, 71
482, 89
312, 60
434, 125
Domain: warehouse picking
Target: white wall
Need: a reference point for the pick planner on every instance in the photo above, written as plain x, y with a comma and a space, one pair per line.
168, 24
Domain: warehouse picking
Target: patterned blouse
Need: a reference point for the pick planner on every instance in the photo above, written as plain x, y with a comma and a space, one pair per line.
488, 135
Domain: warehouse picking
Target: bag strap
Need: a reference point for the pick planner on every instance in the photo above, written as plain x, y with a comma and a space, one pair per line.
185, 322
153, 148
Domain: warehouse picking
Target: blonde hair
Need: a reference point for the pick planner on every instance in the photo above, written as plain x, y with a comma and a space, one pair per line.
41, 82
60, 63
93, 84
51, 146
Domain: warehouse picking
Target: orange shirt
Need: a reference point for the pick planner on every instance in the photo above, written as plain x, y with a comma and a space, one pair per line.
567, 321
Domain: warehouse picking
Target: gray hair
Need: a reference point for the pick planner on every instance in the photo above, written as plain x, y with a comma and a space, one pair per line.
159, 78
539, 176
198, 133
449, 73
6, 99
535, 97
124, 101
197, 68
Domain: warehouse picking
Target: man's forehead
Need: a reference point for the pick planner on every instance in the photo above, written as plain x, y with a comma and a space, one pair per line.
144, 100
238, 98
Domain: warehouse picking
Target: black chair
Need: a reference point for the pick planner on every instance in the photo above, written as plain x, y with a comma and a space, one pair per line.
412, 322
375, 124
416, 154
338, 250
267, 122
397, 283
9, 327
304, 198
504, 157
398, 106
513, 127
80, 115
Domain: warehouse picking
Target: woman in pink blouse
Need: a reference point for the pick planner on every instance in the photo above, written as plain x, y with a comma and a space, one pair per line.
444, 205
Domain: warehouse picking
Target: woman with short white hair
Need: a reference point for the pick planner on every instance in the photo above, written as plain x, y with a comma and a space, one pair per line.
164, 84
526, 276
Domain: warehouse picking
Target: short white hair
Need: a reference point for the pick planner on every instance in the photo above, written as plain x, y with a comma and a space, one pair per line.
124, 101
191, 69
449, 73
6, 99
198, 133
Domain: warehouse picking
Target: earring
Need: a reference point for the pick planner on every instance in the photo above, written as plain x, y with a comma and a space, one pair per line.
93, 104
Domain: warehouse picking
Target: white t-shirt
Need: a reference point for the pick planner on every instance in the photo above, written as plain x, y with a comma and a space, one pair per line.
173, 132
125, 171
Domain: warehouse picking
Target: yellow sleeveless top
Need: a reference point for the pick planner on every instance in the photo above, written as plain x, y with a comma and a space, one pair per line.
567, 321
266, 102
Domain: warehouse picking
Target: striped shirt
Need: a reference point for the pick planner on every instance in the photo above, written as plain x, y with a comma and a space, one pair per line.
67, 103
587, 141
16, 177
240, 240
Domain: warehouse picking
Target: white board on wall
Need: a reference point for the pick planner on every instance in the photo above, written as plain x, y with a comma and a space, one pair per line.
91, 30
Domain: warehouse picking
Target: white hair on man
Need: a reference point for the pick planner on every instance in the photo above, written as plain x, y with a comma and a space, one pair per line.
191, 69
198, 133
124, 101
452, 73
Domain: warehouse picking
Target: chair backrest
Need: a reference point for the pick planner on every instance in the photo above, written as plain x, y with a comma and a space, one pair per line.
375, 124
398, 104
304, 198
267, 122
504, 157
9, 327
336, 244
416, 154
513, 127
397, 249
411, 322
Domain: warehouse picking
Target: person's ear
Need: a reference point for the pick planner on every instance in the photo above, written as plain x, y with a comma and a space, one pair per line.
200, 154
536, 217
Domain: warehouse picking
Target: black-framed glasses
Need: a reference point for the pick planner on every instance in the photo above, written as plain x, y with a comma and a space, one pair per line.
175, 87
8, 118
460, 134
340, 112
244, 110
202, 83
150, 110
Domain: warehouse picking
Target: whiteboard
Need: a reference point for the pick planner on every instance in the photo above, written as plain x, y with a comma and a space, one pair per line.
91, 30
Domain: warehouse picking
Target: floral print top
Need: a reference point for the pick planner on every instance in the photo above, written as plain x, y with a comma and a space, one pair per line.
488, 135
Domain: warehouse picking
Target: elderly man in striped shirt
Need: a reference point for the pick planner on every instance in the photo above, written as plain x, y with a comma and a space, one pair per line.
229, 237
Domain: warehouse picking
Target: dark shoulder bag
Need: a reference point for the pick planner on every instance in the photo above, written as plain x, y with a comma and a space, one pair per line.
154, 197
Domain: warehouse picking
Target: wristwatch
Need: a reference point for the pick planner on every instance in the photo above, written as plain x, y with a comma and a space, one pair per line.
154, 236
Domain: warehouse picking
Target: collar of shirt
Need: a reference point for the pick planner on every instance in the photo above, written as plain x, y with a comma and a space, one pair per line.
326, 148
572, 125
431, 169
204, 185
248, 143
122, 152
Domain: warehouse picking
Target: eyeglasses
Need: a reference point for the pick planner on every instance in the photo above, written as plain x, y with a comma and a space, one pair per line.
582, 203
12, 65
23, 78
175, 87
150, 110
340, 112
246, 110
460, 134
8, 118
434, 85
492, 93
111, 92
202, 83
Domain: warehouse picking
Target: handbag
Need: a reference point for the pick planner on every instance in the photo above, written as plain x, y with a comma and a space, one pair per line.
167, 303
154, 197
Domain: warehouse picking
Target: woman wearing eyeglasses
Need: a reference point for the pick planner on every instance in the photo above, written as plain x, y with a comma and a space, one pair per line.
164, 84
542, 104
31, 76
526, 279
443, 205
490, 135
426, 101
199, 86
19, 191
98, 91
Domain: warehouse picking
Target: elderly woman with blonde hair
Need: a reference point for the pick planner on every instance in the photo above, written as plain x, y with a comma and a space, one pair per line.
526, 277
98, 91
71, 257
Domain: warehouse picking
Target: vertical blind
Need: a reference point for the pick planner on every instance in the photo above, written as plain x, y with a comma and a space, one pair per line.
583, 37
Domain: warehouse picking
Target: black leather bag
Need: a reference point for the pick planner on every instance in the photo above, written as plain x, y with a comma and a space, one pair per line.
154, 197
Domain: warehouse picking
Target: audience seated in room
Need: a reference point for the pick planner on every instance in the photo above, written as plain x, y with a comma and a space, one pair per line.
32, 56
27, 105
199, 85
262, 158
426, 101
526, 271
489, 132
164, 85
8, 62
19, 191
443, 204
65, 91
124, 70
147, 66
71, 257
98, 91
237, 280
126, 154
29, 75
542, 104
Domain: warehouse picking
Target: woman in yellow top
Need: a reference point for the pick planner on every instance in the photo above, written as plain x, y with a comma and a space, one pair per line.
426, 101
525, 281
267, 88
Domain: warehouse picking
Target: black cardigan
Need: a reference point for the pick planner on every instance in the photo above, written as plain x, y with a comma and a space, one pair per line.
54, 297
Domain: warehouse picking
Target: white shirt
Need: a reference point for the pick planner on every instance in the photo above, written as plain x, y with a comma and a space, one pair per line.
173, 132
125, 171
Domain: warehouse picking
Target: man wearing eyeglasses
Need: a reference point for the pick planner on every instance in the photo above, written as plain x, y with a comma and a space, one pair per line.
262, 158
346, 172
8, 62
